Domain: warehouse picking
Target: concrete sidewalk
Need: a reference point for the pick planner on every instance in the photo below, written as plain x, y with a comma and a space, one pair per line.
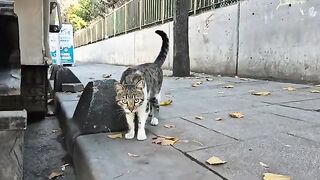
281, 130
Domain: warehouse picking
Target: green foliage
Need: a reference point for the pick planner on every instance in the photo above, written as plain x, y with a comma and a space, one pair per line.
80, 14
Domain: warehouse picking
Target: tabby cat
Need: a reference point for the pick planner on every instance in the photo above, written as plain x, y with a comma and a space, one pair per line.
138, 92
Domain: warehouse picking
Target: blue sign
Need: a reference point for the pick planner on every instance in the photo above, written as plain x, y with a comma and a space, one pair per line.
66, 44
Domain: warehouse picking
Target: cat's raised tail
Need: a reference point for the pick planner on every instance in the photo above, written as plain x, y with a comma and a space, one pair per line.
164, 48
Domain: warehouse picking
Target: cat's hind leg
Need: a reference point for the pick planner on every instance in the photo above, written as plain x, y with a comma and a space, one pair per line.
155, 110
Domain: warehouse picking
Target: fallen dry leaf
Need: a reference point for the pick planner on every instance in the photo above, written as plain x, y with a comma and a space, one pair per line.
63, 167
196, 84
263, 165
215, 161
236, 115
166, 103
315, 91
290, 89
55, 175
165, 140
169, 126
244, 79
115, 136
54, 130
271, 176
209, 79
262, 93
228, 86
133, 155
218, 119
199, 117
106, 75
50, 101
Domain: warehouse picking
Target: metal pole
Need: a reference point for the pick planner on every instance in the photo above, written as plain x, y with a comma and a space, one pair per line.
114, 23
195, 6
162, 11
125, 17
140, 9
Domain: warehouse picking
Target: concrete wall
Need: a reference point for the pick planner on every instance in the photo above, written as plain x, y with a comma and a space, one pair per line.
212, 44
280, 40
30, 17
256, 38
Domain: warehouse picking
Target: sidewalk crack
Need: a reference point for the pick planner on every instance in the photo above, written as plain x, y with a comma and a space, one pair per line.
210, 129
200, 163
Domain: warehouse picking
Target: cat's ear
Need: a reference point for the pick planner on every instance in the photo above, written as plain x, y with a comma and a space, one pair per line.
140, 84
118, 87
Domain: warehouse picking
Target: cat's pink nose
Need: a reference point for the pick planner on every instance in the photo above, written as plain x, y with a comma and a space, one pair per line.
130, 109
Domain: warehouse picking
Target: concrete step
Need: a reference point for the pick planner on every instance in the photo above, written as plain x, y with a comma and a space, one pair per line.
12, 127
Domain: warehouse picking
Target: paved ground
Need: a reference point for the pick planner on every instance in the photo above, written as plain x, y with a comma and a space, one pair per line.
44, 152
281, 130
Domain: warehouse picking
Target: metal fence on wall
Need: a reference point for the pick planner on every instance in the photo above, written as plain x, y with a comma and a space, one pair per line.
137, 14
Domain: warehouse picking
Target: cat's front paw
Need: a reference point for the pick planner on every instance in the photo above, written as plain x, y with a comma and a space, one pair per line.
154, 121
129, 135
141, 135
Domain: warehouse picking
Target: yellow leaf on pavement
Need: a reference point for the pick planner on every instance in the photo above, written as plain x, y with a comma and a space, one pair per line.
289, 88
215, 161
236, 115
165, 140
115, 136
166, 103
271, 176
262, 93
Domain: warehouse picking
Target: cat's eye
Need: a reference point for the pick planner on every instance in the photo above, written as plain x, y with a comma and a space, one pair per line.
136, 100
124, 101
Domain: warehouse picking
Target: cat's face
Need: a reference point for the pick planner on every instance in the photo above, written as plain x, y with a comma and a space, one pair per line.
130, 97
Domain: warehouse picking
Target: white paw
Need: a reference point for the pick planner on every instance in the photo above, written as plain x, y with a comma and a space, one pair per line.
141, 135
129, 135
154, 121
